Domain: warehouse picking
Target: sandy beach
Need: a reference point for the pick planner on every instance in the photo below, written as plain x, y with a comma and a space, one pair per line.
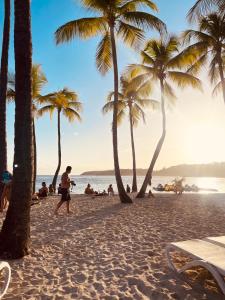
107, 250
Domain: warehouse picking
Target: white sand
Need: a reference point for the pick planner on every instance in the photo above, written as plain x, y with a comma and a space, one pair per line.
107, 250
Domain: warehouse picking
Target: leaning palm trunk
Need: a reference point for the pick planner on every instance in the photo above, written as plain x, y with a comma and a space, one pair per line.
35, 157
54, 181
134, 183
124, 198
220, 64
148, 177
15, 233
3, 87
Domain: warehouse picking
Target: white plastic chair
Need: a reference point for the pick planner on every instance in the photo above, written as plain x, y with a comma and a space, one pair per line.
4, 266
204, 253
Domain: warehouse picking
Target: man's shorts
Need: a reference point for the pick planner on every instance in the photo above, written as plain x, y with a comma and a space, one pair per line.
65, 195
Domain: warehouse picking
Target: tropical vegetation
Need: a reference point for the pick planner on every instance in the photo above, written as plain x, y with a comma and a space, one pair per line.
163, 63
64, 102
134, 99
39, 80
121, 19
202, 7
208, 46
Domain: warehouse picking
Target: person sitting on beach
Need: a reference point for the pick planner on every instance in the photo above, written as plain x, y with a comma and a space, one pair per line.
50, 189
89, 190
110, 190
43, 191
128, 189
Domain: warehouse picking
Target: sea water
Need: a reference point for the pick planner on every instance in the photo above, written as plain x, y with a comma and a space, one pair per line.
100, 183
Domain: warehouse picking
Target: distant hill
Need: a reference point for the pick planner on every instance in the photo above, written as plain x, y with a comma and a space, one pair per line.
185, 170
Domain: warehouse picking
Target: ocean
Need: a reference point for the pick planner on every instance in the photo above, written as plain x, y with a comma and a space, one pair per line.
100, 183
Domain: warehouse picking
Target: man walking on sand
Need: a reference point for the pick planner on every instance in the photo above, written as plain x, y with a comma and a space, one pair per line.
65, 190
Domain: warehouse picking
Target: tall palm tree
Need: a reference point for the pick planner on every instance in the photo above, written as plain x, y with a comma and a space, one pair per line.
202, 7
38, 81
120, 18
3, 87
162, 63
209, 46
133, 99
15, 233
66, 102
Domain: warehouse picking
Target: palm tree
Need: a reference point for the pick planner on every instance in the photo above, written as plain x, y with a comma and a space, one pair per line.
134, 99
3, 87
162, 63
66, 102
122, 19
15, 233
38, 81
209, 45
202, 7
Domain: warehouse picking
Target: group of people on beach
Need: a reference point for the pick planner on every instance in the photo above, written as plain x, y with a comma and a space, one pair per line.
63, 190
90, 191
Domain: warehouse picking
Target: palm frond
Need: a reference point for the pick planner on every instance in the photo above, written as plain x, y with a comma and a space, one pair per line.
46, 109
78, 106
109, 106
169, 93
144, 20
131, 35
83, 28
200, 7
152, 103
71, 114
184, 79
137, 113
133, 5
104, 54
145, 88
217, 89
38, 81
120, 116
213, 70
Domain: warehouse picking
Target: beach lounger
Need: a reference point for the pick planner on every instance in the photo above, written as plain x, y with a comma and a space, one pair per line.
217, 240
204, 253
4, 266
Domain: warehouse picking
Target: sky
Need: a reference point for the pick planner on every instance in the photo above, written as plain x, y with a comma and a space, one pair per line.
195, 125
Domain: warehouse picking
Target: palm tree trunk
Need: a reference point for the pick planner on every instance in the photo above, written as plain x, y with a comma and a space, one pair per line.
148, 177
124, 198
54, 181
15, 233
134, 183
35, 157
220, 65
3, 87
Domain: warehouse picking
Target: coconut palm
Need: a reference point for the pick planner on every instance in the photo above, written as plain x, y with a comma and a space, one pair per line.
15, 233
64, 102
121, 18
38, 81
209, 46
202, 7
132, 99
162, 63
3, 87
